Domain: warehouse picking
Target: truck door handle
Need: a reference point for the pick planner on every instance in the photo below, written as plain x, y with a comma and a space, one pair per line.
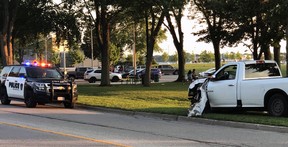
231, 85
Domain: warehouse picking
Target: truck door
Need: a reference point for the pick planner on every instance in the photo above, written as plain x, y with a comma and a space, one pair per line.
222, 90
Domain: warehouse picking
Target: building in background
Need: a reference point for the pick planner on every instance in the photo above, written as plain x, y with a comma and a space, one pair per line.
49, 51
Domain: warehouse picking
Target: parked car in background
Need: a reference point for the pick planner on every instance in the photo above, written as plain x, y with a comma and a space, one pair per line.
130, 73
95, 75
78, 73
207, 73
167, 70
155, 73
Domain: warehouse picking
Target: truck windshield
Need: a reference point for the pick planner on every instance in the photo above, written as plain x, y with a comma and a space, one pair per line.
43, 73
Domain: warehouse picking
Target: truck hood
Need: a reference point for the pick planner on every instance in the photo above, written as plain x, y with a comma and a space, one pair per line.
192, 85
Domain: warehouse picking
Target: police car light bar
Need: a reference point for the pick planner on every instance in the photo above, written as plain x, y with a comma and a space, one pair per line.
35, 63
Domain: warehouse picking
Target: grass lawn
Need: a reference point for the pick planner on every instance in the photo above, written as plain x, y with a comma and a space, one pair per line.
169, 98
166, 98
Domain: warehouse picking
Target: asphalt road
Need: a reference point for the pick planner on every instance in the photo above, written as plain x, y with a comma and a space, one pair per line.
52, 125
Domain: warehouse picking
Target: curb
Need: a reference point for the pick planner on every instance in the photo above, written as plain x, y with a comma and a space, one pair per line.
169, 117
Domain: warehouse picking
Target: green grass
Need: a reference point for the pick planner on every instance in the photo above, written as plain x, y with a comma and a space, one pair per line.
165, 98
168, 98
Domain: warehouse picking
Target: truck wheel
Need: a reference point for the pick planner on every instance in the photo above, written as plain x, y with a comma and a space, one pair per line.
69, 104
115, 79
30, 100
4, 97
92, 80
277, 105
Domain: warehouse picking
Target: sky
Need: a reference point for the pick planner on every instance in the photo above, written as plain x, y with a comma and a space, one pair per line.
191, 45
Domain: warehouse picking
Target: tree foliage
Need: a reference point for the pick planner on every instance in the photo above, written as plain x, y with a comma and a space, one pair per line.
165, 57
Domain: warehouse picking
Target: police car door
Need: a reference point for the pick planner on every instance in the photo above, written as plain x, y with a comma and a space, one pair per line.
22, 81
14, 84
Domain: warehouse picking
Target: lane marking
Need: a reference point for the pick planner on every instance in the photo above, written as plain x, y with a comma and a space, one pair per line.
64, 134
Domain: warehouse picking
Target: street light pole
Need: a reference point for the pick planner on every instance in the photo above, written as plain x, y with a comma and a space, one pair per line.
46, 52
92, 56
46, 49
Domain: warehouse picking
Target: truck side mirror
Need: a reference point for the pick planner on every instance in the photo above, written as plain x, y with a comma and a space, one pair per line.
212, 78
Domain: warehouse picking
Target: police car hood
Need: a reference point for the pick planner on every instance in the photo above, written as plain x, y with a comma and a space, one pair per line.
45, 80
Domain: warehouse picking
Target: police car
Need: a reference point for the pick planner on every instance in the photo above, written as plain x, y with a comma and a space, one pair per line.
36, 83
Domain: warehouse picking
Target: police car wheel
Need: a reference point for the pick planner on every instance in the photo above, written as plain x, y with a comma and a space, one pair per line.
69, 104
30, 100
4, 97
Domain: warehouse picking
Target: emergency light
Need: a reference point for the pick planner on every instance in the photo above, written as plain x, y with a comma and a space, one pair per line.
36, 63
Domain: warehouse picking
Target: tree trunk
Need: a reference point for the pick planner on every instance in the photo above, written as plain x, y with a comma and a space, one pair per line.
276, 50
155, 28
181, 66
217, 54
267, 53
149, 59
105, 75
146, 79
9, 12
178, 43
3, 31
105, 33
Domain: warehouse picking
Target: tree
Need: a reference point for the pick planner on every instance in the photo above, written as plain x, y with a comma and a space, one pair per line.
165, 57
8, 13
40, 18
232, 56
55, 58
175, 8
152, 11
206, 56
216, 14
174, 57
75, 56
238, 56
106, 12
193, 57
187, 57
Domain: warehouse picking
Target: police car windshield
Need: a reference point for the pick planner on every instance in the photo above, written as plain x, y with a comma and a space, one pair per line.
43, 73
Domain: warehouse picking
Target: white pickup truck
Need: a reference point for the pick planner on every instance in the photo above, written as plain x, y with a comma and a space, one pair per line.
252, 85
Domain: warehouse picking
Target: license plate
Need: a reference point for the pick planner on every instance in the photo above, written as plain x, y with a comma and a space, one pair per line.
60, 98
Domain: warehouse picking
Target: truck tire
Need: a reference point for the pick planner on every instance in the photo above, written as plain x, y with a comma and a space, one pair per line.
92, 80
30, 100
277, 105
4, 97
